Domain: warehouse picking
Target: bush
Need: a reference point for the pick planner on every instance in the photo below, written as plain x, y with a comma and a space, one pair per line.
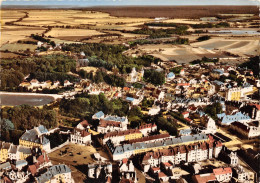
203, 38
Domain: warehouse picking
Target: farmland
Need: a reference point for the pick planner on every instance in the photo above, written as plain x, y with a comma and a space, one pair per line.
99, 25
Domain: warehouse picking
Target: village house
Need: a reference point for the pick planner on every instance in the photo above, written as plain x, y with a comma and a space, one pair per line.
56, 174
241, 175
233, 94
5, 146
127, 170
83, 125
154, 110
94, 170
112, 123
248, 130
252, 110
223, 174
170, 76
81, 137
211, 127
147, 128
67, 83
40, 160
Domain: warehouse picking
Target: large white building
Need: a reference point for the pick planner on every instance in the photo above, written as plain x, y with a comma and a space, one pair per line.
81, 137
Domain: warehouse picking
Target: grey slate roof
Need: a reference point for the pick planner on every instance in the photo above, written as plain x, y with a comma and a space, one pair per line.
162, 142
5, 166
52, 171
24, 150
42, 129
32, 136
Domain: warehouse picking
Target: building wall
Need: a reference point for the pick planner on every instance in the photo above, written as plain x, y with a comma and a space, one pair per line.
133, 136
3, 155
29, 144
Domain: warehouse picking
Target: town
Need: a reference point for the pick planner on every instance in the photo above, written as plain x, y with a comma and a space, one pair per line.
96, 112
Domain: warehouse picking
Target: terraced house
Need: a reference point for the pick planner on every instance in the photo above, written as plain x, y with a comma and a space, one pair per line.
13, 152
188, 153
125, 151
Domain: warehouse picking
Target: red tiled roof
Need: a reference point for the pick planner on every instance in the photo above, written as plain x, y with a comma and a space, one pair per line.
167, 164
34, 81
121, 133
156, 168
105, 123
188, 119
150, 125
126, 88
32, 169
186, 112
204, 178
228, 170
221, 171
7, 180
108, 180
161, 174
41, 159
125, 160
83, 133
256, 105
218, 144
84, 123
183, 84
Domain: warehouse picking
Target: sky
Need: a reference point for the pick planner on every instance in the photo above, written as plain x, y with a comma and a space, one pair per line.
129, 2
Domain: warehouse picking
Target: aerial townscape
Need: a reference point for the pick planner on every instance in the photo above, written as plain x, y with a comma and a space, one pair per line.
129, 94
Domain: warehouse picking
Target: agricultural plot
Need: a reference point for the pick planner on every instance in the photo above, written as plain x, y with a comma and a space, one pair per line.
10, 15
179, 53
11, 34
77, 18
72, 34
17, 47
235, 46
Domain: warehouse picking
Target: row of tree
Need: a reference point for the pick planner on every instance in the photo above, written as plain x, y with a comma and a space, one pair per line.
161, 33
210, 25
50, 67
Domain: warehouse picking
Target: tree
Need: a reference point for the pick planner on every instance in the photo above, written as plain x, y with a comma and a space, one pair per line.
154, 77
98, 77
213, 110
6, 124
